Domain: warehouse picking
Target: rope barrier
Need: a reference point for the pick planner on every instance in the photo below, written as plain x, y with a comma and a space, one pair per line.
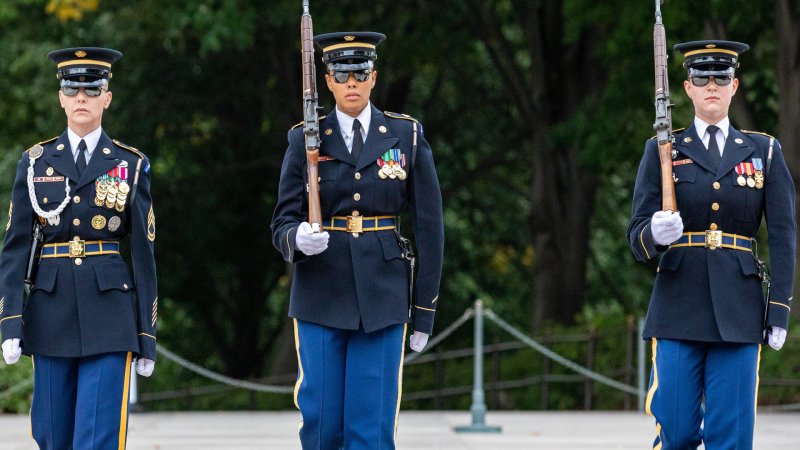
558, 358
222, 378
468, 314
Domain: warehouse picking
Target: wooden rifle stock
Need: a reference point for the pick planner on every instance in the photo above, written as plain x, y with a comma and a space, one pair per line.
310, 118
663, 122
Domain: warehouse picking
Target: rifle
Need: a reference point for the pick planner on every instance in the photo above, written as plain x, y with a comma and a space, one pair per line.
310, 117
663, 123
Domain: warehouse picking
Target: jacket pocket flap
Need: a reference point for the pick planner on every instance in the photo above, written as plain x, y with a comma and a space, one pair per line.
113, 275
671, 260
747, 262
391, 248
46, 276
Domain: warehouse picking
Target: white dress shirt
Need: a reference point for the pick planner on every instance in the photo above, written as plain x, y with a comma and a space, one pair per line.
346, 125
91, 142
724, 126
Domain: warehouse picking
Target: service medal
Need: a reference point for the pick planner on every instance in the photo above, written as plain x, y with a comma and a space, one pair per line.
759, 179
124, 187
740, 170
750, 171
759, 175
98, 222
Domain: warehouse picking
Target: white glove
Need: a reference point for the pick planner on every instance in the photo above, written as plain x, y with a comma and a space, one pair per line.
418, 340
776, 336
11, 350
309, 242
666, 227
144, 366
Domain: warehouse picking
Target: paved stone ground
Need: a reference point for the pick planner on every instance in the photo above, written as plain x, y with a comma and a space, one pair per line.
417, 431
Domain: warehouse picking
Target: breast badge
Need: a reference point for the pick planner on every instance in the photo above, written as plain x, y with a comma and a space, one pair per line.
98, 222
392, 165
114, 223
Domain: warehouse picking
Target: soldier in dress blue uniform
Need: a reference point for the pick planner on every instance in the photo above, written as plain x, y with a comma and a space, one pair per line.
350, 297
707, 315
86, 317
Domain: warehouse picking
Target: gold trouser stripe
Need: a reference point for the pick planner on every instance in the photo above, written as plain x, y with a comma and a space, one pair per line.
147, 335
123, 410
30, 411
424, 309
299, 367
654, 387
758, 380
400, 379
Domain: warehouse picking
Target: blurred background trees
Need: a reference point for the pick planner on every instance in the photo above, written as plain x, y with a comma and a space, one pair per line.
537, 112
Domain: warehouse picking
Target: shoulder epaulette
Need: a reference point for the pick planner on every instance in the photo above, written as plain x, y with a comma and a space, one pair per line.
677, 130
303, 121
129, 148
395, 115
758, 132
46, 141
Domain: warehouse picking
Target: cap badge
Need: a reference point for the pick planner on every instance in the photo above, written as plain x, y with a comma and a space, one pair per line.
328, 132
711, 46
382, 129
349, 38
80, 53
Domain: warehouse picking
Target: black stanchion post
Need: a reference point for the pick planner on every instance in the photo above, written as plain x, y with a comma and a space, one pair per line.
478, 407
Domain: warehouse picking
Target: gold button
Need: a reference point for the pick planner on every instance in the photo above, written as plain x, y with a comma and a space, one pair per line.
125, 285
716, 185
713, 226
76, 199
78, 261
358, 175
76, 222
76, 238
44, 200
355, 214
356, 196
715, 206
355, 235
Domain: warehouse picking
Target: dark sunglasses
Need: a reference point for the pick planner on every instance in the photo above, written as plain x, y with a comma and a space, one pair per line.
71, 91
721, 80
342, 77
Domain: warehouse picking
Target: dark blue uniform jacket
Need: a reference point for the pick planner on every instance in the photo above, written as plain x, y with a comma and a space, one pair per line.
95, 306
715, 295
362, 281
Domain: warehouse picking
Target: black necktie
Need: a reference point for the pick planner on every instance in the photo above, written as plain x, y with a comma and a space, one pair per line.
81, 161
358, 141
713, 148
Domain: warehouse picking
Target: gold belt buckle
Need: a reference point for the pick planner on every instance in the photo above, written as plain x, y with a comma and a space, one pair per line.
355, 224
77, 249
713, 239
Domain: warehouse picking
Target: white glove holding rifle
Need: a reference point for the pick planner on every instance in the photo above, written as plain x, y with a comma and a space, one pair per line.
666, 227
309, 242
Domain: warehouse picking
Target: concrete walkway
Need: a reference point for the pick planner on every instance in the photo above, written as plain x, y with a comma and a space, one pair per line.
417, 431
